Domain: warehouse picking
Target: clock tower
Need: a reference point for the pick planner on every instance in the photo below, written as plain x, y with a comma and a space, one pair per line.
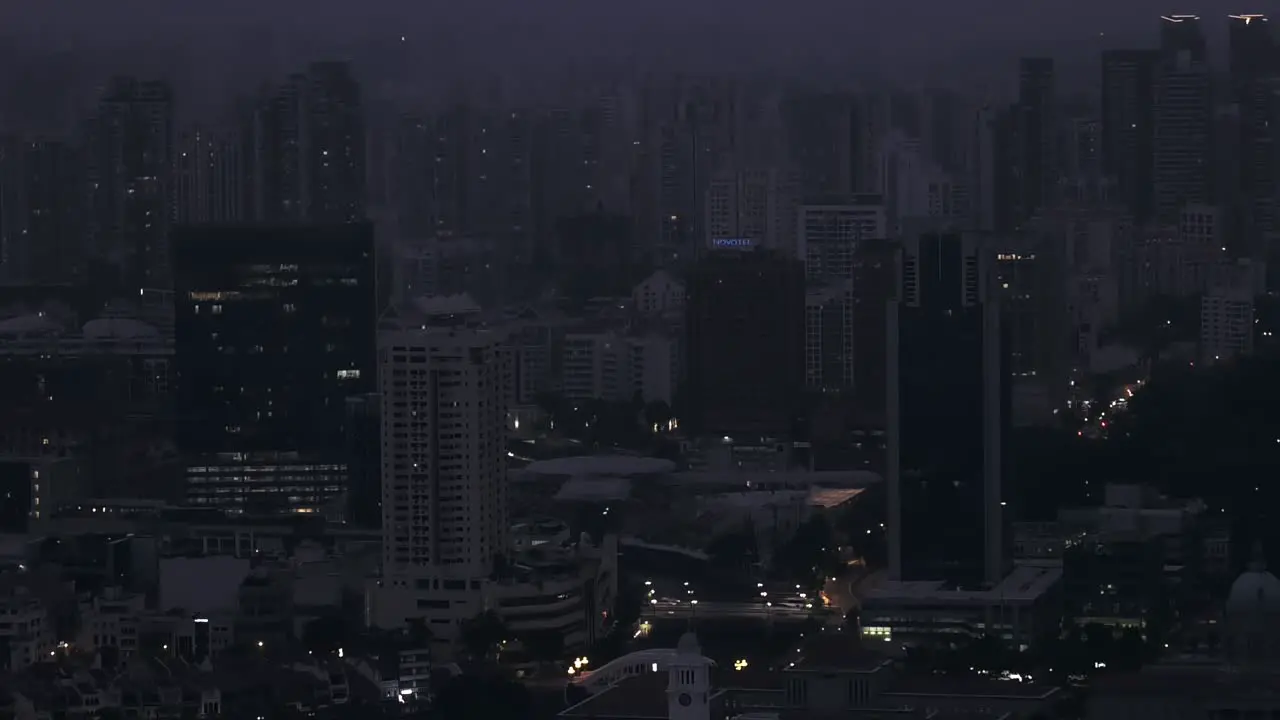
689, 682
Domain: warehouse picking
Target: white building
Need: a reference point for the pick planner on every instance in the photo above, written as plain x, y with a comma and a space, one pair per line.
591, 366
658, 294
443, 466
754, 205
611, 366
1226, 312
27, 629
829, 235
914, 187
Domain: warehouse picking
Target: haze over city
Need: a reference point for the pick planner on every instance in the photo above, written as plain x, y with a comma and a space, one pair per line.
694, 360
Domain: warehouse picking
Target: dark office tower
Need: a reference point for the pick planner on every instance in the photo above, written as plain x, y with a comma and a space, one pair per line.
1182, 155
1183, 34
41, 211
1128, 125
274, 331
335, 145
209, 177
278, 177
364, 460
820, 141
874, 276
745, 318
1253, 70
947, 404
130, 162
413, 176
1037, 163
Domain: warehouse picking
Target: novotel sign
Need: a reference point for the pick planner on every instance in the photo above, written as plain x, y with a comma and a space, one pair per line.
732, 243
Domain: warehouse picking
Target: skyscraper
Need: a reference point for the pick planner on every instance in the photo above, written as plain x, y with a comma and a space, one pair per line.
947, 403
308, 149
831, 231
1038, 161
1182, 150
274, 331
745, 318
444, 511
1254, 58
130, 167
1128, 124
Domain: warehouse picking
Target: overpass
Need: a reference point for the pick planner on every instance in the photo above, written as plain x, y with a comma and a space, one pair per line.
640, 662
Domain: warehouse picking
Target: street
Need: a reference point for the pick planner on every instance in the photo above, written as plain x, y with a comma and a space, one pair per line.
789, 612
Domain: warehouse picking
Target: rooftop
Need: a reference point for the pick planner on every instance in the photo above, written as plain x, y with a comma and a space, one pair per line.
594, 489
838, 651
970, 686
1024, 584
616, 466
828, 479
1185, 683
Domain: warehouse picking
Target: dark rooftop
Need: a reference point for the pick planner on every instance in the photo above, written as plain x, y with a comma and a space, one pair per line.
970, 686
837, 651
637, 698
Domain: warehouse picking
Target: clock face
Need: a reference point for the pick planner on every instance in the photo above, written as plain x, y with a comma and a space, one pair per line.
685, 699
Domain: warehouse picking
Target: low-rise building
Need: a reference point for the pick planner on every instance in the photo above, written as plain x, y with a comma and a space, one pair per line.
1025, 605
26, 629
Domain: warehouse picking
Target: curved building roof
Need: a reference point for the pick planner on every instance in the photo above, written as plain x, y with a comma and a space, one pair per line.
36, 324
1255, 589
602, 465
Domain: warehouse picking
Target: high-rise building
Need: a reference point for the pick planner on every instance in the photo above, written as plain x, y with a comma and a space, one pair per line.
828, 338
1128, 125
274, 331
210, 174
820, 131
947, 405
41, 211
308, 149
1183, 122
1038, 161
745, 319
831, 230
1227, 311
444, 514
130, 167
1183, 34
1254, 68
335, 146
757, 205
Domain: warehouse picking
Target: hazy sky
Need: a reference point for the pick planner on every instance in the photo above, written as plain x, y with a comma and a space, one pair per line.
224, 42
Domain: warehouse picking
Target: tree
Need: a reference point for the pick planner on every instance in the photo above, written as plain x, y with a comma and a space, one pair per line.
657, 413
810, 554
544, 645
324, 634
482, 696
482, 634
735, 549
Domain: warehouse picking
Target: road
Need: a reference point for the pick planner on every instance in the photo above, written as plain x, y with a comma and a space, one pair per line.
723, 610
